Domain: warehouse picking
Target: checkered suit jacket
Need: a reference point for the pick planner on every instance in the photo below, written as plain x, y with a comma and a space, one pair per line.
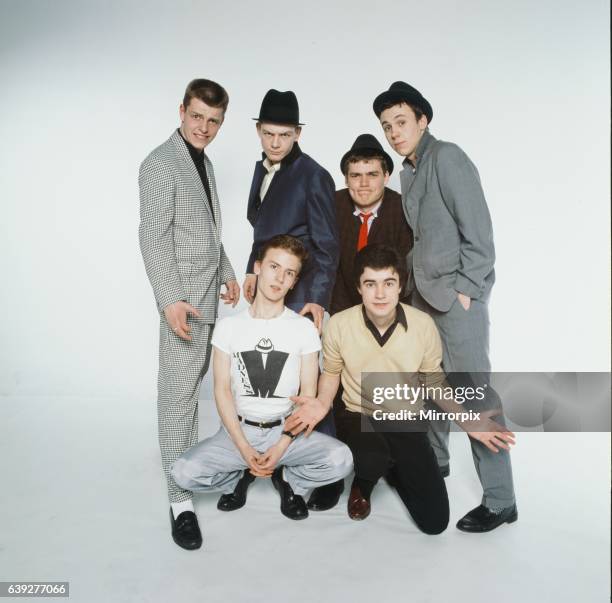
180, 238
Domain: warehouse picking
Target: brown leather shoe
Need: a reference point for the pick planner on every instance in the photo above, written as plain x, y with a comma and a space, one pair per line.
358, 507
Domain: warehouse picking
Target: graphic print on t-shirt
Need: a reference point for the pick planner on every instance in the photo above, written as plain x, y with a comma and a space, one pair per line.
260, 369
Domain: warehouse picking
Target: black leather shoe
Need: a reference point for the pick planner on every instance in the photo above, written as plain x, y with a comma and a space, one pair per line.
292, 505
444, 470
482, 519
185, 530
326, 497
236, 500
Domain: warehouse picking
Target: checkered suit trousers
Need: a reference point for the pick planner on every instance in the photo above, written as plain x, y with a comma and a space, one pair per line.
182, 365
180, 241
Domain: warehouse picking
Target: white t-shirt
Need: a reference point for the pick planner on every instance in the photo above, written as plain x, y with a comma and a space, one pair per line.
265, 360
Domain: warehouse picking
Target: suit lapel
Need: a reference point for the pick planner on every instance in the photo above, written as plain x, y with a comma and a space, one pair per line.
349, 223
213, 191
413, 193
410, 199
254, 200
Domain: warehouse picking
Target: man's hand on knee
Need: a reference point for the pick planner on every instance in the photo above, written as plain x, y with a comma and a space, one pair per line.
490, 433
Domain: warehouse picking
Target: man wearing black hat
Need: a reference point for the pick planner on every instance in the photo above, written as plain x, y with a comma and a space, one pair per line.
292, 194
451, 273
368, 212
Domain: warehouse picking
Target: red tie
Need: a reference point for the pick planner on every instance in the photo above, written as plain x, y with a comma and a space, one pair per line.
362, 241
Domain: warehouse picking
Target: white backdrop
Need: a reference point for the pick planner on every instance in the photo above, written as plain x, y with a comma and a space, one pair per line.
89, 88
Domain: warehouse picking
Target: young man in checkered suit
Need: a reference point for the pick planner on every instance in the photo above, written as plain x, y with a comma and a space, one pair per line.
180, 240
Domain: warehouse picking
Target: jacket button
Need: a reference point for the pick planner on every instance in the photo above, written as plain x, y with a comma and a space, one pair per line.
416, 238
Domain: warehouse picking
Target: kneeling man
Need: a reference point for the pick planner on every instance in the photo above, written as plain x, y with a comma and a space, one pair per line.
385, 336
261, 358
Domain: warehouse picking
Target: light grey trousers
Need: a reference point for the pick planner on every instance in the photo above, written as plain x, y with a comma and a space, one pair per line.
182, 364
465, 344
216, 463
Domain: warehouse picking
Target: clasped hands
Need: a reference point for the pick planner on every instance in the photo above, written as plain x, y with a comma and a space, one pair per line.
262, 464
304, 419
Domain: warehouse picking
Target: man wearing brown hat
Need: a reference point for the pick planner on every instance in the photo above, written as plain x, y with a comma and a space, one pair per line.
451, 273
368, 212
291, 194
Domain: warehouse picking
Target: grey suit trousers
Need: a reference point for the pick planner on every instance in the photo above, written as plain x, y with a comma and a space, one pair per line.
215, 464
182, 364
465, 344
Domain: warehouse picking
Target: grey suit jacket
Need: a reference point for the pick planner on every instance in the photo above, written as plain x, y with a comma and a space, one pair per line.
453, 238
180, 238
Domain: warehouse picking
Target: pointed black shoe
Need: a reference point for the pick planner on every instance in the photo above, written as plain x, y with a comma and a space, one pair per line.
236, 499
482, 519
292, 505
185, 530
326, 497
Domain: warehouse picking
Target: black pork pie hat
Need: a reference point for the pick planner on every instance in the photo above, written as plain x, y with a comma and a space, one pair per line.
402, 92
366, 145
280, 108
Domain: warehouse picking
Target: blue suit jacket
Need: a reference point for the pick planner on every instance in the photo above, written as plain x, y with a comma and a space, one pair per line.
299, 202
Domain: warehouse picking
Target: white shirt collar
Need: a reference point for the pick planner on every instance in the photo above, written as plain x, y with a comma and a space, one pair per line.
373, 211
271, 167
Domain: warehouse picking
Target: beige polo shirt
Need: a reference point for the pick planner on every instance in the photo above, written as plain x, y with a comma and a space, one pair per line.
350, 349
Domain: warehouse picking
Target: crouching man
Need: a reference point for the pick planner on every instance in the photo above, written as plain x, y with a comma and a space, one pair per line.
261, 358
384, 336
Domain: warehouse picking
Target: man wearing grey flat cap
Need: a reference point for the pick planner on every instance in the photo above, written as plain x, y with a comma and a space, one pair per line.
450, 274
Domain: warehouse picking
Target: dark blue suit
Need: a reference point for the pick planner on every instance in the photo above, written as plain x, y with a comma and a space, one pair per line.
299, 202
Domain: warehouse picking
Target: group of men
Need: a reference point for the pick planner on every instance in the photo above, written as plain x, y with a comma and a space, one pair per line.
406, 280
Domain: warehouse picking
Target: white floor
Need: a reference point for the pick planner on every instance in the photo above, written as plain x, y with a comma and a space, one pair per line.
83, 500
